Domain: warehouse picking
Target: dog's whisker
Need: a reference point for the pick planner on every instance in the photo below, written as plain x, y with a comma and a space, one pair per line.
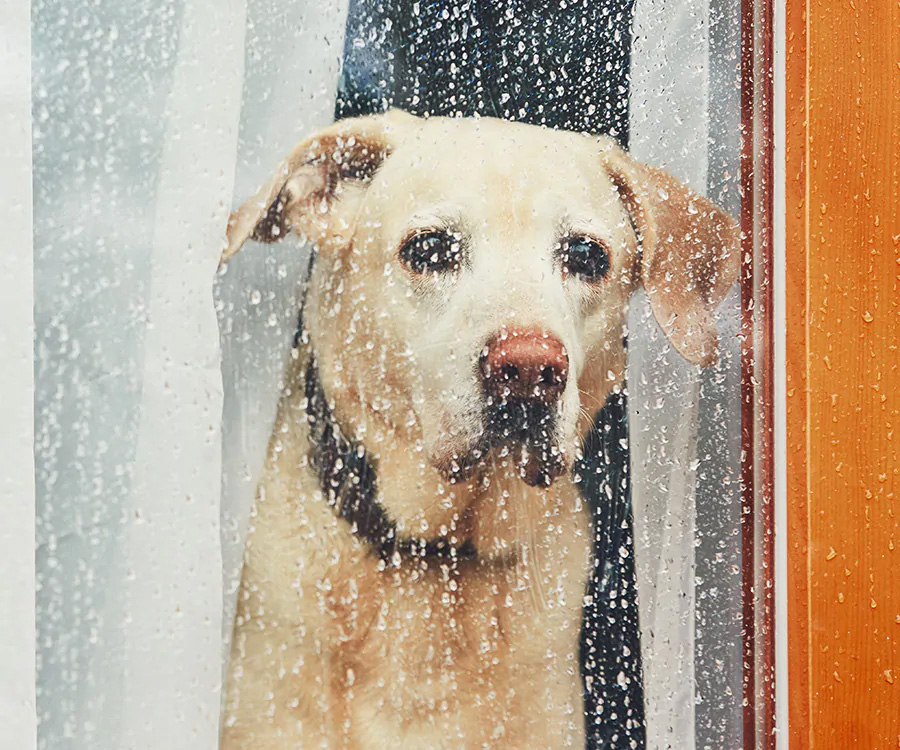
585, 413
592, 397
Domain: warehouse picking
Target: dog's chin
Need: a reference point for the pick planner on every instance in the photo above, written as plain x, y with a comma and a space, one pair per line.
540, 467
458, 465
536, 465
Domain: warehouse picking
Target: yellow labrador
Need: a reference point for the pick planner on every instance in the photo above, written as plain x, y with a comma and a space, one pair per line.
418, 552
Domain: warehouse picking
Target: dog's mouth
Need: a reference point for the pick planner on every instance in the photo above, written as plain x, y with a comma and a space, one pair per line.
520, 432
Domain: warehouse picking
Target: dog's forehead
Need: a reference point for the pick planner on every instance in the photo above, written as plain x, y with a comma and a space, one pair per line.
490, 166
492, 139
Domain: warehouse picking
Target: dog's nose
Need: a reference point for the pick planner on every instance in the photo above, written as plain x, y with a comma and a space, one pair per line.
524, 364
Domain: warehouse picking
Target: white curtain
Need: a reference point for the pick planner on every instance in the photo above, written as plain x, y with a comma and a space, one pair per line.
135, 147
169, 603
139, 146
674, 73
669, 110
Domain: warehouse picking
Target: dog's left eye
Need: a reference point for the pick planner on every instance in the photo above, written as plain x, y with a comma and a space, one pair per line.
436, 251
584, 257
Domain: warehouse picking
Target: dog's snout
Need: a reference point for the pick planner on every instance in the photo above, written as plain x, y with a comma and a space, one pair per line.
524, 364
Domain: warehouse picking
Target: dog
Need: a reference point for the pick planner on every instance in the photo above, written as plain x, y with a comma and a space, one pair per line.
417, 558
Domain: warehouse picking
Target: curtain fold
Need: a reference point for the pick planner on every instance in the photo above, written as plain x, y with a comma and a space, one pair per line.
685, 445
135, 147
172, 602
17, 632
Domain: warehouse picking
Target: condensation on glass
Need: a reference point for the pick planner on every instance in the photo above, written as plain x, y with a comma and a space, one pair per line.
486, 490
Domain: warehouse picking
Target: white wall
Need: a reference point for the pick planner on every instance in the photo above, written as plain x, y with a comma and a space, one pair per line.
17, 636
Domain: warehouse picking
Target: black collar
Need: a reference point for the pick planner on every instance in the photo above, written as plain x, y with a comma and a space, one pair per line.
348, 481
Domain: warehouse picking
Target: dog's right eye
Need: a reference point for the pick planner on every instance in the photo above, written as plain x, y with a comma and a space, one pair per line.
436, 251
585, 258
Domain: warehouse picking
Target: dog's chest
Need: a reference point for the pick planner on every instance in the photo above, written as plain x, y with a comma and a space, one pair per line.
457, 651
344, 644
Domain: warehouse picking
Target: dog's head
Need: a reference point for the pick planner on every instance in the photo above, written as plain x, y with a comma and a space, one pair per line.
473, 276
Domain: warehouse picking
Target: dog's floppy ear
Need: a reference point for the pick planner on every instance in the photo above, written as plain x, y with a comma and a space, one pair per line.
312, 177
690, 252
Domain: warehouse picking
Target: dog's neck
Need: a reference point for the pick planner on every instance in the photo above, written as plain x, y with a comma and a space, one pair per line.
348, 481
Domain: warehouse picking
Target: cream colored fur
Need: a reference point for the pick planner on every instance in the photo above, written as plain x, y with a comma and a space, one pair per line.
332, 647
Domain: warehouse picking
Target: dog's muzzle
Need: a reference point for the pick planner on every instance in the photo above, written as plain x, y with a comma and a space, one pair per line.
524, 374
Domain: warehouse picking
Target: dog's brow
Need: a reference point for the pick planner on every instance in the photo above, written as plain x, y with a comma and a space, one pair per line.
436, 220
590, 227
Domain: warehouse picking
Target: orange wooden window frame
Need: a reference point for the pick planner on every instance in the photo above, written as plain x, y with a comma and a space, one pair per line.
843, 372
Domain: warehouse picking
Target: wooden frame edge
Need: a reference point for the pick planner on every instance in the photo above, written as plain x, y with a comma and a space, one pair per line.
757, 382
796, 360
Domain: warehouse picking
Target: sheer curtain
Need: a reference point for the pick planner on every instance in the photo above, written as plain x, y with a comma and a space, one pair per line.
171, 588
684, 422
142, 114
136, 122
669, 121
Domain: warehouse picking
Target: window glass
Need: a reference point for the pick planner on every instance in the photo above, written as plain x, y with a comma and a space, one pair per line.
450, 452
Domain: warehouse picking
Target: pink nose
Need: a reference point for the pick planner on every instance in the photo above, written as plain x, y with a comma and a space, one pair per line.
524, 363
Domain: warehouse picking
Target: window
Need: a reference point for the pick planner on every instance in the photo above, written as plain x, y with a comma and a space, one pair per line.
509, 480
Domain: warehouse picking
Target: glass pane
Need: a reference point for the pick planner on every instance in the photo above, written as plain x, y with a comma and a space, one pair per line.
475, 473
